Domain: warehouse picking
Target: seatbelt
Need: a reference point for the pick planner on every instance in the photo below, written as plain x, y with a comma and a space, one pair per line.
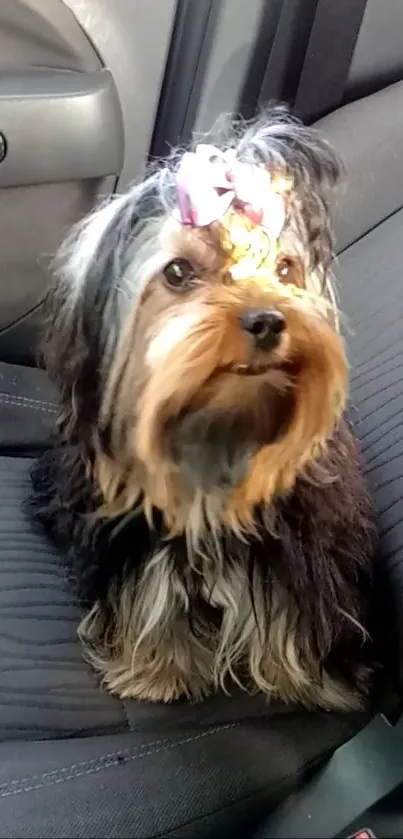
191, 43
288, 50
331, 45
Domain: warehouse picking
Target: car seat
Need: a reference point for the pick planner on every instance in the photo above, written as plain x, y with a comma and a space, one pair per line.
77, 762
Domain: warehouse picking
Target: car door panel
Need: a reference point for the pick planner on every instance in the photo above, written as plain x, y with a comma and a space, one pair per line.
132, 37
79, 87
81, 130
43, 33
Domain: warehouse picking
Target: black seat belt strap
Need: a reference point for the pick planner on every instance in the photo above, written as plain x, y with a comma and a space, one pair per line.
331, 45
288, 50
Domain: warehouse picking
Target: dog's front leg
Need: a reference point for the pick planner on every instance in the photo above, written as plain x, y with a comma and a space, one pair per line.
177, 668
143, 645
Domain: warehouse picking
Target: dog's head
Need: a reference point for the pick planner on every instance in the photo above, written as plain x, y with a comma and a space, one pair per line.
194, 332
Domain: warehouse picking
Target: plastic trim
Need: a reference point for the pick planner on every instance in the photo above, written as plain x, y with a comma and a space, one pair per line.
59, 126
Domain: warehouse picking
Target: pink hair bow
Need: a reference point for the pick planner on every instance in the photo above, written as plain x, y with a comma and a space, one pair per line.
210, 181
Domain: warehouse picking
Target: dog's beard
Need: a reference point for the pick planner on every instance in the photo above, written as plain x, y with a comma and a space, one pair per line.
212, 445
198, 418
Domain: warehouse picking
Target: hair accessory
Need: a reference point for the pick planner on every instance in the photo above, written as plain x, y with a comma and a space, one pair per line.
210, 182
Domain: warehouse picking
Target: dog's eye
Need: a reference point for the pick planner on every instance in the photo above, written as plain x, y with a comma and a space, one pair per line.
284, 269
179, 274
289, 270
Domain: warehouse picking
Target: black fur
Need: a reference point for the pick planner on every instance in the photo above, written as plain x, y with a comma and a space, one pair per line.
320, 554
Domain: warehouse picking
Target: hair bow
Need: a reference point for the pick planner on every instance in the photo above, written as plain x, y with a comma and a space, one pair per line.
210, 181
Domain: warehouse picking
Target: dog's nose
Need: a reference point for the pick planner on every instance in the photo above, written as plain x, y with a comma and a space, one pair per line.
264, 326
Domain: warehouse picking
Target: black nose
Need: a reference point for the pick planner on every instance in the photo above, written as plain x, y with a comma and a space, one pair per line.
265, 327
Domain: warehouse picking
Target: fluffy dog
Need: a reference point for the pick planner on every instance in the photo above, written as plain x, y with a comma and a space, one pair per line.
203, 478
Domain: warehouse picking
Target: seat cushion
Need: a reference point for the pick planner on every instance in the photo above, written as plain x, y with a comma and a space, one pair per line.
229, 750
28, 407
46, 690
369, 136
45, 687
223, 763
370, 274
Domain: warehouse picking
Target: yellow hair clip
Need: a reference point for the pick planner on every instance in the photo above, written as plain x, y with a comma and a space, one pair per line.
251, 249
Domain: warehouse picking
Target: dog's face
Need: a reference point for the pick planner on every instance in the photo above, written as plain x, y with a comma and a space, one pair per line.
220, 372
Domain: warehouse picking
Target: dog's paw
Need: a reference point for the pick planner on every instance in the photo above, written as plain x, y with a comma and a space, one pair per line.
151, 683
166, 685
167, 688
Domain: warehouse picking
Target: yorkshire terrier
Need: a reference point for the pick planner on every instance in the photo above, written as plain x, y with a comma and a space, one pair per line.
204, 480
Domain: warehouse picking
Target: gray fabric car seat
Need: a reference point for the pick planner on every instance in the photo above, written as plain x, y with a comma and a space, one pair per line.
74, 761
187, 770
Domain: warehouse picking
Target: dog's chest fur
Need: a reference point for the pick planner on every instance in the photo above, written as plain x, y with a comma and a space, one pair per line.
285, 612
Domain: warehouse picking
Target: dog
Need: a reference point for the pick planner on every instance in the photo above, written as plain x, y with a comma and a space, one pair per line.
204, 480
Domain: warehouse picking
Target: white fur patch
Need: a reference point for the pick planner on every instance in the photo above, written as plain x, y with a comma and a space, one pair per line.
91, 234
175, 330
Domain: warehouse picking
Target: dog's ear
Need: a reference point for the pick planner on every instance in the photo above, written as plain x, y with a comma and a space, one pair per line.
87, 300
284, 144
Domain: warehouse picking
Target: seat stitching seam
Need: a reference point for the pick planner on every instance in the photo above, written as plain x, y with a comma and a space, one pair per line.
81, 764
117, 758
32, 407
28, 399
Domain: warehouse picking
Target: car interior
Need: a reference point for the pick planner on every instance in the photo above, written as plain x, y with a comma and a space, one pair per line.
90, 91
